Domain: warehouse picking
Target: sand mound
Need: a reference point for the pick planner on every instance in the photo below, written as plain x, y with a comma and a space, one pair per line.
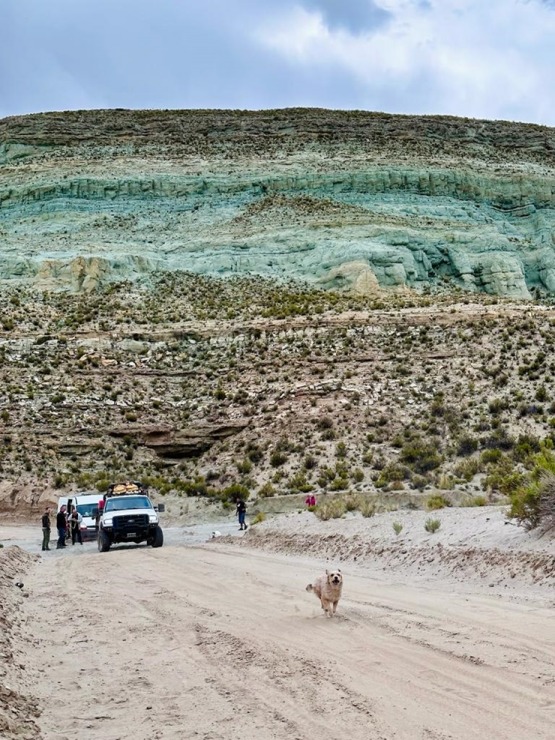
17, 711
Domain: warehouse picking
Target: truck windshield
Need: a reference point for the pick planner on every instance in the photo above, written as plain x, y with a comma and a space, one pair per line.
127, 502
86, 509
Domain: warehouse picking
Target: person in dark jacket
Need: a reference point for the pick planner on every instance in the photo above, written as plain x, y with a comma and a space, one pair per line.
241, 513
61, 526
75, 521
46, 529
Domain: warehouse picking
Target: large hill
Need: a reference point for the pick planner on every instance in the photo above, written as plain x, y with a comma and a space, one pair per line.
144, 333
338, 199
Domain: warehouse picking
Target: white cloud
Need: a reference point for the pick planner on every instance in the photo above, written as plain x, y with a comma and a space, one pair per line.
489, 59
480, 58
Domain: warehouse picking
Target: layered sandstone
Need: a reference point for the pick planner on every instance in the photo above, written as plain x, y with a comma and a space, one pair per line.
341, 199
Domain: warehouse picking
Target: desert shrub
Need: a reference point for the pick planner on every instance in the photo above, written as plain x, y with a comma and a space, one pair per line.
368, 457
530, 409
339, 484
244, 466
503, 477
367, 508
326, 422
437, 501
334, 509
446, 482
421, 456
419, 481
477, 501
325, 476
357, 475
490, 456
196, 487
397, 528
497, 405
541, 394
341, 449
498, 439
254, 453
299, 482
466, 445
533, 502
310, 462
393, 472
260, 516
467, 469
219, 393
267, 490
352, 501
60, 480
233, 492
526, 447
432, 525
277, 458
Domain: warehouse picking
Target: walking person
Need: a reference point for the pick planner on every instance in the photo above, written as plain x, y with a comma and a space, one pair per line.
75, 521
61, 525
241, 513
46, 529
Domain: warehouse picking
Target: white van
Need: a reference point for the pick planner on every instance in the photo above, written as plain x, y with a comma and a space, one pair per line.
85, 503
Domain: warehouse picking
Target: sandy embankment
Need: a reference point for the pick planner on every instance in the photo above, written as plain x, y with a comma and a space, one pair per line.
18, 710
474, 548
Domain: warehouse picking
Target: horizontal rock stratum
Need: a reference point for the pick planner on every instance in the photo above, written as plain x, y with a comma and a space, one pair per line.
354, 200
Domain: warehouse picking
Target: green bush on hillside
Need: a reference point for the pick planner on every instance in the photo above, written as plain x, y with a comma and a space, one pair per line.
533, 502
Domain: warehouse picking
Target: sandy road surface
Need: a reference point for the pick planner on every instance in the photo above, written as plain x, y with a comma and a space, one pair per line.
211, 642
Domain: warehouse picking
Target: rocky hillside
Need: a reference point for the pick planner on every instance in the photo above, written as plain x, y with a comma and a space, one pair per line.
212, 387
338, 199
274, 303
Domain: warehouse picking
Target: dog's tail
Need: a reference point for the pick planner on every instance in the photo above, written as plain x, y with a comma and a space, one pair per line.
309, 587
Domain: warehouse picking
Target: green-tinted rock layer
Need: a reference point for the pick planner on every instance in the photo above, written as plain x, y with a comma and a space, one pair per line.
339, 199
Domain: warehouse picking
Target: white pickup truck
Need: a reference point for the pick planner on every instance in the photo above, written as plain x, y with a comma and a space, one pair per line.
129, 517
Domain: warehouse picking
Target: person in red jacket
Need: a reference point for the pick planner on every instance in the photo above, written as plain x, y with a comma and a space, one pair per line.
101, 505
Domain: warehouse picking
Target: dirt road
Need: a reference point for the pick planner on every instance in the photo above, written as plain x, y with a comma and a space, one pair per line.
209, 642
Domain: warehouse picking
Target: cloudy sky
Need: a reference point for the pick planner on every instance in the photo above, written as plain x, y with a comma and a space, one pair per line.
476, 58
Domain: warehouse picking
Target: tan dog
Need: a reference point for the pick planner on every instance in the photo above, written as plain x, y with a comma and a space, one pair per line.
328, 589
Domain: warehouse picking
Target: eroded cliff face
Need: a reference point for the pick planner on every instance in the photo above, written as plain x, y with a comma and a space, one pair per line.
341, 199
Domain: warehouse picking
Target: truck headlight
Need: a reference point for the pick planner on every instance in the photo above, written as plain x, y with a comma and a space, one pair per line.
153, 519
107, 522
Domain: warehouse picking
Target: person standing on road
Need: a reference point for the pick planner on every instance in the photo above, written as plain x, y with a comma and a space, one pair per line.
75, 521
241, 513
46, 529
61, 523
100, 511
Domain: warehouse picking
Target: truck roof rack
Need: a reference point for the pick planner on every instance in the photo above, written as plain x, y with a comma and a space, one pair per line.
122, 489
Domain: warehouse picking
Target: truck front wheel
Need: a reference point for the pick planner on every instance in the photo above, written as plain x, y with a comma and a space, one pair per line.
103, 542
157, 539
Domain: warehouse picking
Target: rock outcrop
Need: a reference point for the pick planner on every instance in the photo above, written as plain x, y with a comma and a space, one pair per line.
175, 444
353, 200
